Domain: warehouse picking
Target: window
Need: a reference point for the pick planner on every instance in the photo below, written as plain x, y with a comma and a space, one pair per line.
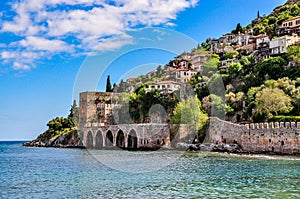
184, 73
152, 86
163, 86
290, 23
297, 22
168, 86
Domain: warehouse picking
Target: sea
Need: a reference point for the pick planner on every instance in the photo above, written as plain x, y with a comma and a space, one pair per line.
79, 173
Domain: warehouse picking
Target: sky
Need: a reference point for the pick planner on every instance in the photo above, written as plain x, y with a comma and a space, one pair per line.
51, 50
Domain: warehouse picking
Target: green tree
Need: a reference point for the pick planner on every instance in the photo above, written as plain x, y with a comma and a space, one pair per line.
294, 53
235, 68
271, 101
108, 85
74, 112
190, 112
211, 65
231, 54
239, 28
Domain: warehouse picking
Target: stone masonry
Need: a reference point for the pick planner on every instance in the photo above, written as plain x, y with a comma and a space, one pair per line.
98, 129
280, 138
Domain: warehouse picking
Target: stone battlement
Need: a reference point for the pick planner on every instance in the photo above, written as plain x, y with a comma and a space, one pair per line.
273, 125
277, 137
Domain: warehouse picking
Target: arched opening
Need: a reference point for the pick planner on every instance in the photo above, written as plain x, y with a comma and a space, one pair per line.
109, 139
132, 140
99, 140
89, 140
120, 139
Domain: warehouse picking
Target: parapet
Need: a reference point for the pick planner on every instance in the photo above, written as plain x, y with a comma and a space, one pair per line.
273, 125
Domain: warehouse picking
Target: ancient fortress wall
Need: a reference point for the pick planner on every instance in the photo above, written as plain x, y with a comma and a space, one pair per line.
274, 137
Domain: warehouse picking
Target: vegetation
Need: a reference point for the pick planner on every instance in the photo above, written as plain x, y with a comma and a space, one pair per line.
249, 90
271, 101
189, 112
138, 104
282, 118
108, 85
60, 126
268, 24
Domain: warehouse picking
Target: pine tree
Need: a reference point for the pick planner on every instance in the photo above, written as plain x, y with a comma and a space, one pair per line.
239, 28
74, 112
108, 85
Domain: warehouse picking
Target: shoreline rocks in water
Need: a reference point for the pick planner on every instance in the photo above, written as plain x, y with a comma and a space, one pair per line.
58, 142
230, 148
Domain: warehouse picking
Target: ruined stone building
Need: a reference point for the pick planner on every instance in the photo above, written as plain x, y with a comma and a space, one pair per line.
100, 129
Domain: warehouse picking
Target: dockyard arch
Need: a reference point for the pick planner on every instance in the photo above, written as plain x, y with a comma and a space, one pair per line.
120, 139
89, 140
132, 140
99, 140
109, 140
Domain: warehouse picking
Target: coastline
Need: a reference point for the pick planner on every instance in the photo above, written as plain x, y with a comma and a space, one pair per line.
230, 149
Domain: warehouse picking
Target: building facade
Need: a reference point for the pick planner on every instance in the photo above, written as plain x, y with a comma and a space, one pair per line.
164, 86
280, 45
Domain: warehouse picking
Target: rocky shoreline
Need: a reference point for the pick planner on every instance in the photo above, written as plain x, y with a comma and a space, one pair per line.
207, 147
66, 142
58, 142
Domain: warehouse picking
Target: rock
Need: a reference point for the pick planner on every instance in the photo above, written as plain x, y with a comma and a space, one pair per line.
59, 142
182, 146
193, 147
231, 148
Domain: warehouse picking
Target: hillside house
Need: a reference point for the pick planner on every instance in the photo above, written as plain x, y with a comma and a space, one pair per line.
182, 75
198, 60
279, 45
289, 27
225, 64
164, 86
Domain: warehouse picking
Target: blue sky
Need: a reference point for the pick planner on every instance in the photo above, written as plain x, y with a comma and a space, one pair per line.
46, 45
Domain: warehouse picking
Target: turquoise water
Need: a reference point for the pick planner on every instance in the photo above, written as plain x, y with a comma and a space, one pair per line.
73, 173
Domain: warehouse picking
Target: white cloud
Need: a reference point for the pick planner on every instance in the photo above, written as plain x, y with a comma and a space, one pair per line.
114, 43
20, 66
38, 43
48, 28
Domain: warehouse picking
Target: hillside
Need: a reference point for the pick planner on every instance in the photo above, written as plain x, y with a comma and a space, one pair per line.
268, 24
260, 83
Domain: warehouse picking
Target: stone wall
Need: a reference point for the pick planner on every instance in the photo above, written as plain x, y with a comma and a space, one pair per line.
95, 107
281, 138
146, 135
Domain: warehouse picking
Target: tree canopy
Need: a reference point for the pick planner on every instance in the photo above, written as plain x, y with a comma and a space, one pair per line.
190, 112
271, 101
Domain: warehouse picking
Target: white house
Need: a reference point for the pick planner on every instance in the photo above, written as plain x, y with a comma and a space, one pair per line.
280, 44
198, 61
164, 86
182, 75
261, 39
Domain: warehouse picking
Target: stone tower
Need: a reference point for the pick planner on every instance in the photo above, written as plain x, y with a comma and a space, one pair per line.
95, 107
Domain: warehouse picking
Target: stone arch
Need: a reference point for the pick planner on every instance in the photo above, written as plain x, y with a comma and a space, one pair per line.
99, 140
120, 139
109, 139
132, 140
89, 140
